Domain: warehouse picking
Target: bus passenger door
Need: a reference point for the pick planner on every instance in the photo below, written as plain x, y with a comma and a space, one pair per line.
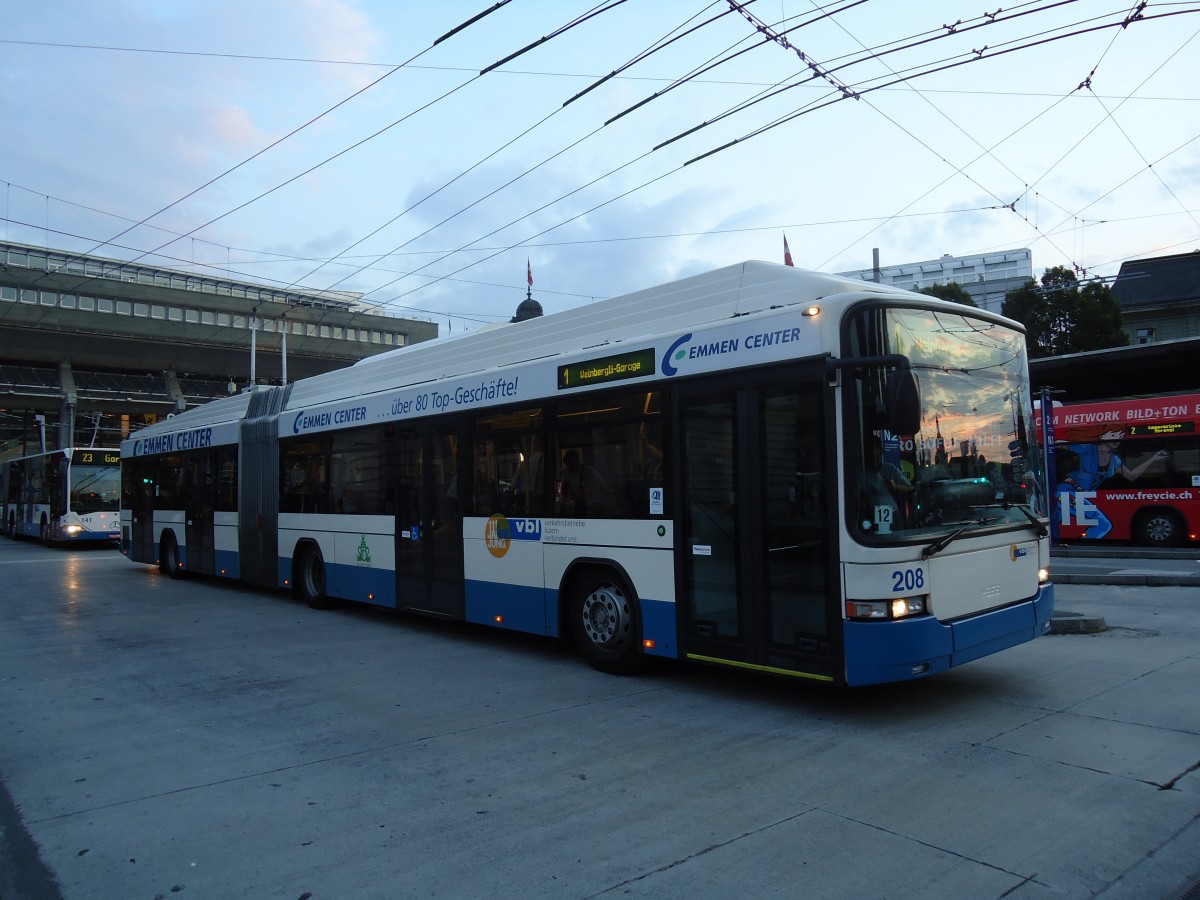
429, 522
140, 503
200, 504
755, 527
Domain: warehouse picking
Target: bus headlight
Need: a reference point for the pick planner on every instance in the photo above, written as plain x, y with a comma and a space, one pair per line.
896, 608
73, 529
908, 606
1043, 575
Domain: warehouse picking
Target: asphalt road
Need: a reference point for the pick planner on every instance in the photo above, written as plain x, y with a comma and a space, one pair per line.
164, 739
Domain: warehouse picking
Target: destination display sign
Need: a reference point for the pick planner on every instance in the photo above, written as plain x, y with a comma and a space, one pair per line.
96, 458
1160, 428
606, 369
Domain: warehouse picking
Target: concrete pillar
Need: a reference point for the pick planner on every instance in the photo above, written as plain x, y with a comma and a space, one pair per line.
66, 412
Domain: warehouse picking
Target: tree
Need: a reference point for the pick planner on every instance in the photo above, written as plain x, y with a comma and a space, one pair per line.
950, 291
1060, 317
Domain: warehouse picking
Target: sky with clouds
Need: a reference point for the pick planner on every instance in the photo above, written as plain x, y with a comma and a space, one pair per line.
369, 146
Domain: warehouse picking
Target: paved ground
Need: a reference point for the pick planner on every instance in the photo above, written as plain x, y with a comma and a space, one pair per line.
183, 739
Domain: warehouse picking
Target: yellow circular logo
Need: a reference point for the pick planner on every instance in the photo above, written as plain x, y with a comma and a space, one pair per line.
497, 536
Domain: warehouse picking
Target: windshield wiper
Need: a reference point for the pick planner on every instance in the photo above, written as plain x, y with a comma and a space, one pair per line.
1038, 525
941, 544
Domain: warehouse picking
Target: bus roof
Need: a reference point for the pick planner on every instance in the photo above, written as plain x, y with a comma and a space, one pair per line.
688, 303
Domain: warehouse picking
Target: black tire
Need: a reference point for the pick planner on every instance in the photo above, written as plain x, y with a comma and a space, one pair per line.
168, 556
605, 623
1158, 528
309, 580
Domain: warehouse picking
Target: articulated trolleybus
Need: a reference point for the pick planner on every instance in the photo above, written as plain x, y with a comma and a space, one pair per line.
759, 467
62, 496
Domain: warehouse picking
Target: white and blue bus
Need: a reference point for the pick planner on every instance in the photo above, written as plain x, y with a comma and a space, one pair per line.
62, 496
759, 467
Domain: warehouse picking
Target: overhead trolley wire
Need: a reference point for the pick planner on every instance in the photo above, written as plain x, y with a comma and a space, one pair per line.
561, 30
984, 54
654, 47
293, 132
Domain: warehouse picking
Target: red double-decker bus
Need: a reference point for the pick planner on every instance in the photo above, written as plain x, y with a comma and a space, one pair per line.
1129, 470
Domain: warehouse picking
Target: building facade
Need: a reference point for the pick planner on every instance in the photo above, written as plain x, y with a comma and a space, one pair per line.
1160, 297
91, 347
987, 277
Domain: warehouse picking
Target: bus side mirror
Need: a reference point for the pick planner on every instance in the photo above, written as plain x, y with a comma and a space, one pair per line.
903, 401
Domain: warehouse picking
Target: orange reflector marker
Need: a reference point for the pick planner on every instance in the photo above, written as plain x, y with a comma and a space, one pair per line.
499, 619
370, 596
286, 582
648, 644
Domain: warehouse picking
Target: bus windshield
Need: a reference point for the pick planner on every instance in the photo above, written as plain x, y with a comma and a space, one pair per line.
973, 462
94, 488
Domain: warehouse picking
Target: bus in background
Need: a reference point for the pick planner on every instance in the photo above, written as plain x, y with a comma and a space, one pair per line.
1129, 470
62, 496
738, 469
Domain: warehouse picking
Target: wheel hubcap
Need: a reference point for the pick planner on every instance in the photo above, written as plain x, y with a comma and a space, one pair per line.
1159, 528
606, 616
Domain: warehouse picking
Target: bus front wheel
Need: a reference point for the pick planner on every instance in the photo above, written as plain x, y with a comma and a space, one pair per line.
310, 578
604, 623
1158, 528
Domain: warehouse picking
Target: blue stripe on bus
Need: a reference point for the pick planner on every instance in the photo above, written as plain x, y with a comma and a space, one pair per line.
519, 608
658, 625
228, 563
361, 583
535, 610
878, 652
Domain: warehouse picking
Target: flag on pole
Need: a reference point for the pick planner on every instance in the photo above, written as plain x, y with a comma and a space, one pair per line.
528, 272
787, 254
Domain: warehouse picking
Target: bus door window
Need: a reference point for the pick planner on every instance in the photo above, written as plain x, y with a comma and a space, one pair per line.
408, 480
445, 478
57, 468
712, 537
793, 520
227, 479
169, 484
201, 481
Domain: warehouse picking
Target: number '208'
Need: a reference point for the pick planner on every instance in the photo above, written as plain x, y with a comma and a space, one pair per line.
908, 579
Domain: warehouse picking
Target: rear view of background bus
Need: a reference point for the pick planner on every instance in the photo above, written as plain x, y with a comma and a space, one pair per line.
1129, 470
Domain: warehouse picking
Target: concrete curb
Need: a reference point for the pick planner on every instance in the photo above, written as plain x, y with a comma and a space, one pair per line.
1068, 551
1064, 622
1125, 579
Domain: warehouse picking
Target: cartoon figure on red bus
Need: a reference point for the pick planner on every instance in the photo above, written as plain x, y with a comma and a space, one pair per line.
1095, 464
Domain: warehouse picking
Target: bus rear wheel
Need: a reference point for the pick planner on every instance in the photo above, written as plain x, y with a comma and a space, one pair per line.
1158, 528
310, 578
168, 557
604, 623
